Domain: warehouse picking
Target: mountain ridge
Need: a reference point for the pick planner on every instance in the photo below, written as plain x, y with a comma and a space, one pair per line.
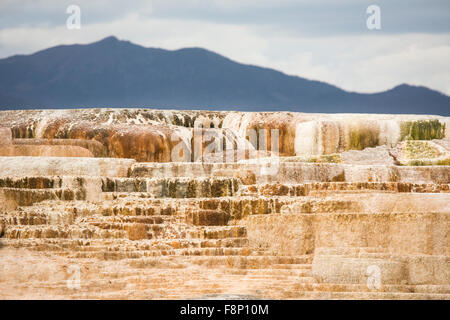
118, 73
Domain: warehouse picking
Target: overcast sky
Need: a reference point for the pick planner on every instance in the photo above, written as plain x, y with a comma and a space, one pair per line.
315, 39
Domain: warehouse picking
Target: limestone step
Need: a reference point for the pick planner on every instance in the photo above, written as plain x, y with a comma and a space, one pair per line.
236, 206
335, 287
27, 197
116, 230
121, 222
31, 182
275, 272
324, 295
303, 189
118, 255
136, 209
125, 244
219, 232
314, 205
107, 230
62, 166
302, 266
279, 282
147, 286
25, 218
252, 260
349, 250
60, 232
195, 187
299, 172
373, 202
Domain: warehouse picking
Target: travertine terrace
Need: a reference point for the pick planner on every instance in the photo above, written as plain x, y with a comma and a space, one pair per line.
154, 204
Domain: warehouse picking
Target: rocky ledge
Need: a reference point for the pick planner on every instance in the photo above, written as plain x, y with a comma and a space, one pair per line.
160, 204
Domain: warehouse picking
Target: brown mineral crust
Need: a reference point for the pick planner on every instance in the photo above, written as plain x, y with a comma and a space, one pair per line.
45, 151
5, 136
286, 126
142, 143
207, 218
96, 148
315, 229
285, 123
137, 231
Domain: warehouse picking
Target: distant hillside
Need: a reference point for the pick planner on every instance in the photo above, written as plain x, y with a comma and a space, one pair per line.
114, 73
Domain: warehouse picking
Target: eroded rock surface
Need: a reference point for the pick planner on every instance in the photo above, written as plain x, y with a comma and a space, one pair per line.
119, 204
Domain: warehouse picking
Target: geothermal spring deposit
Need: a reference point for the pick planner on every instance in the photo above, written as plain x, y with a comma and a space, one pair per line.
157, 204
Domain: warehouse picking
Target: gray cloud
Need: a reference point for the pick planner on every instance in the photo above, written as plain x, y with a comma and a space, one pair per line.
323, 40
313, 18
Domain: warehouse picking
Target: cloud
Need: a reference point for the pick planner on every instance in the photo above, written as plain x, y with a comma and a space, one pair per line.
364, 61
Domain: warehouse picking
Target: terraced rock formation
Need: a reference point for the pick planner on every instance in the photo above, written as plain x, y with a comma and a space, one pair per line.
129, 203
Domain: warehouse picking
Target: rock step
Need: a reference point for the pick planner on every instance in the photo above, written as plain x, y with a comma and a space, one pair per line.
316, 205
304, 189
48, 182
372, 202
323, 295
135, 210
271, 271
61, 218
218, 232
297, 172
278, 281
27, 197
348, 250
115, 220
31, 182
335, 287
118, 255
195, 187
255, 260
109, 225
277, 274
143, 288
121, 230
236, 206
292, 287
303, 266
25, 218
56, 233
98, 245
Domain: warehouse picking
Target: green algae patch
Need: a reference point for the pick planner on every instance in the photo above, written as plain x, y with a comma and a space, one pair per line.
325, 158
363, 137
420, 150
422, 130
423, 153
433, 162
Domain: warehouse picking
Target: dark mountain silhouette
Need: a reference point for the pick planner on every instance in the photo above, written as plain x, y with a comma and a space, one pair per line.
114, 73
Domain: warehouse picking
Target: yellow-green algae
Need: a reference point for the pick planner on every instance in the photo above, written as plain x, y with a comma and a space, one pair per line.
325, 158
419, 150
432, 162
363, 137
422, 130
421, 153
